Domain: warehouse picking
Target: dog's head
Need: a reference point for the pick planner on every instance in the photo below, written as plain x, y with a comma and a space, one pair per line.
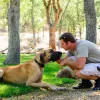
48, 55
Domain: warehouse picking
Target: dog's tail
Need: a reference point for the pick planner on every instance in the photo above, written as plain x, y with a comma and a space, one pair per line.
1, 73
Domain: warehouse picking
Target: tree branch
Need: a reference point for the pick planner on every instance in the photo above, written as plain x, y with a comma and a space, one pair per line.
57, 11
47, 7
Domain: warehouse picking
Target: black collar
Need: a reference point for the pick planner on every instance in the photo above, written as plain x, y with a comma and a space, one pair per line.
40, 64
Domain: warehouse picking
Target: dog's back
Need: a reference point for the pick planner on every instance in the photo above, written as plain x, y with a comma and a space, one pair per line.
19, 73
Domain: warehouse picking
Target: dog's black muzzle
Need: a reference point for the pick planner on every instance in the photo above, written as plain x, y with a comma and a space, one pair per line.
56, 55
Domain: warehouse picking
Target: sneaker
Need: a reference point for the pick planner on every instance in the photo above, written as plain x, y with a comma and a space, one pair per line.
84, 85
97, 84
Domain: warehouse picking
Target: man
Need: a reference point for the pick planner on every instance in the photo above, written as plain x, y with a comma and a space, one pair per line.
84, 58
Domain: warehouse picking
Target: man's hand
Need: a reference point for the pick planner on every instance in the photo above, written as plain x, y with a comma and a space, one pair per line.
64, 62
60, 60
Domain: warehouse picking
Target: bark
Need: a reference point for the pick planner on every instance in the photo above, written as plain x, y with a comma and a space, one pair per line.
33, 26
78, 19
90, 17
13, 56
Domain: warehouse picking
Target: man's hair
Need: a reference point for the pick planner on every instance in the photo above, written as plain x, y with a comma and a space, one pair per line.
67, 37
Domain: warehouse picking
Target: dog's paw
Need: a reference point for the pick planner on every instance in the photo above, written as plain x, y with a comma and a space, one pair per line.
61, 88
55, 88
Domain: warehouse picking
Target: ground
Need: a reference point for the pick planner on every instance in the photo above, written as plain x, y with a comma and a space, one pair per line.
69, 94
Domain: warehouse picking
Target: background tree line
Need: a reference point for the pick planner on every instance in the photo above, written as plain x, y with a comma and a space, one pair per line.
53, 15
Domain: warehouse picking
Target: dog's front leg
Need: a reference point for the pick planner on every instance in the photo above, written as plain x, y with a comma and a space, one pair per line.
46, 85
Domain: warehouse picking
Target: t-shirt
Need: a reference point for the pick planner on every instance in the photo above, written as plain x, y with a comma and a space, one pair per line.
86, 49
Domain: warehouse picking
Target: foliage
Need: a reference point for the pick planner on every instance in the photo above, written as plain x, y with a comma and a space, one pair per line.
38, 14
69, 22
70, 17
9, 89
3, 13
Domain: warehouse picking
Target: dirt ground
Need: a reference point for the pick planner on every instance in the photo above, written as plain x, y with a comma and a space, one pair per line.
69, 94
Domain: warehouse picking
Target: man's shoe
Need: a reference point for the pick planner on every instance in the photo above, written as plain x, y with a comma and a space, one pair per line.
97, 84
80, 86
84, 85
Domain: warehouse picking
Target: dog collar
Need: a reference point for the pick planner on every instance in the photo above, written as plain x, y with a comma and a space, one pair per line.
40, 64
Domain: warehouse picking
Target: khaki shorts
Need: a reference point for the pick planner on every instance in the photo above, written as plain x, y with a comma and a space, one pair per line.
89, 69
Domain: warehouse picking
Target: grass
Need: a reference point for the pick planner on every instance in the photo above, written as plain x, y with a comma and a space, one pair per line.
10, 90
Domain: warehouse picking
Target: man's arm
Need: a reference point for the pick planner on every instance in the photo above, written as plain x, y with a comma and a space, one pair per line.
61, 59
69, 54
78, 65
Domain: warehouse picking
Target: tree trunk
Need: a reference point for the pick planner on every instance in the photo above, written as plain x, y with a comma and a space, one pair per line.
90, 17
33, 26
52, 31
78, 19
13, 56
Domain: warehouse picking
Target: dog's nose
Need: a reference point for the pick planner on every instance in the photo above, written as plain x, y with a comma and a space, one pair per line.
55, 56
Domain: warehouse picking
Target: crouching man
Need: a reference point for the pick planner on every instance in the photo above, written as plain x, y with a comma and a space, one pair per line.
83, 58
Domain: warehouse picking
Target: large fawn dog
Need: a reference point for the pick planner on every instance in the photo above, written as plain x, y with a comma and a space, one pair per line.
31, 72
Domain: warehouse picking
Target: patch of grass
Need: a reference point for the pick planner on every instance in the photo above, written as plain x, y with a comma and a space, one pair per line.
2, 58
50, 72
10, 89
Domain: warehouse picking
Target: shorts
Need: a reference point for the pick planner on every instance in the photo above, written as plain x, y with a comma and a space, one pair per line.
89, 69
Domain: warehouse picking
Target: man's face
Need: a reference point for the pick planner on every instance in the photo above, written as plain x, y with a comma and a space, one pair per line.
64, 45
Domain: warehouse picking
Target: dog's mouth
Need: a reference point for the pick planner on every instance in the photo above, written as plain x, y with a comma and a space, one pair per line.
56, 55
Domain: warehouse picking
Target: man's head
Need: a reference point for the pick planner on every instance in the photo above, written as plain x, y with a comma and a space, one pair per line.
67, 41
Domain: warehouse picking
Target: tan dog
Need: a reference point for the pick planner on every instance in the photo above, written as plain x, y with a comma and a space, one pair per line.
30, 72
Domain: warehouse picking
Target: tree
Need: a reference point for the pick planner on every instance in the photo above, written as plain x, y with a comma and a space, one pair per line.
90, 17
33, 26
52, 23
13, 56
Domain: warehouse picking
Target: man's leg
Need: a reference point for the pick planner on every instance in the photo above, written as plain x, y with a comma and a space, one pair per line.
97, 84
90, 77
84, 84
79, 74
92, 71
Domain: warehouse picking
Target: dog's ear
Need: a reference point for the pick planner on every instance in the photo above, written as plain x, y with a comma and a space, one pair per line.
42, 57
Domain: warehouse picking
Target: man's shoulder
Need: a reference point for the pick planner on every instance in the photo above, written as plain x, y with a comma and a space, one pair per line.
84, 42
80, 42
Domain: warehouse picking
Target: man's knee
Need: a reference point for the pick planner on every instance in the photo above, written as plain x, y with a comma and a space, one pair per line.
78, 74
